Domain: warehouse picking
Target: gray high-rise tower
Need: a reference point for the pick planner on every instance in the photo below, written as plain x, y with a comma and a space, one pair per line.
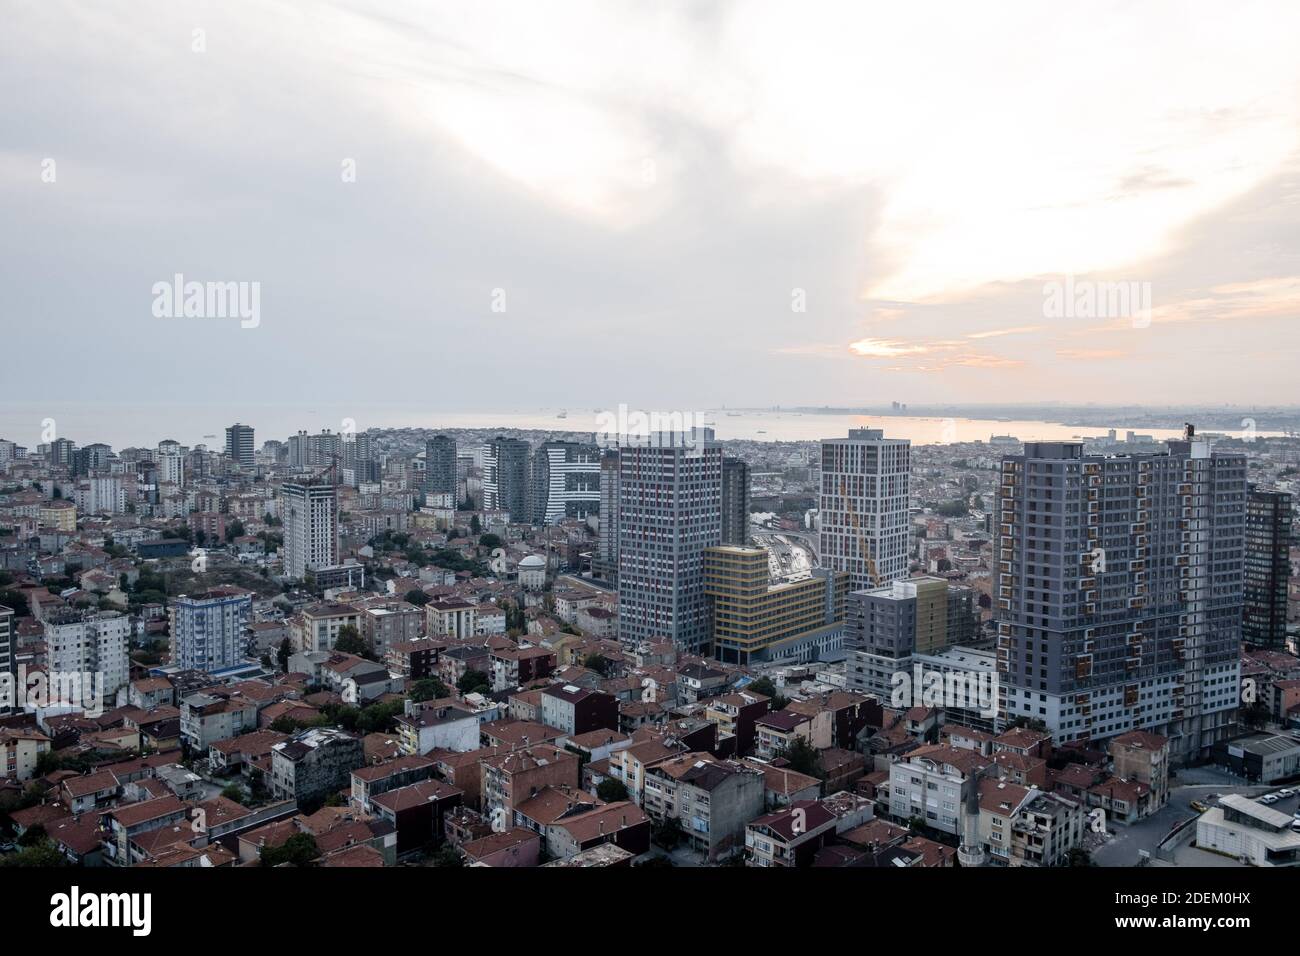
1268, 567
735, 501
239, 445
1119, 590
440, 466
669, 511
505, 477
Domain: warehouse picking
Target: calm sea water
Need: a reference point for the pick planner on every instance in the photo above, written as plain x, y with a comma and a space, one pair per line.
122, 426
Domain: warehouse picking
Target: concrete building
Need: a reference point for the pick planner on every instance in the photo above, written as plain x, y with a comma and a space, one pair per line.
239, 446
315, 763
311, 528
209, 629
1144, 757
8, 663
577, 710
565, 481
865, 482
440, 467
1119, 591
735, 501
933, 783
319, 625
886, 626
1268, 568
1248, 831
712, 799
670, 511
89, 644
505, 477
754, 620
604, 563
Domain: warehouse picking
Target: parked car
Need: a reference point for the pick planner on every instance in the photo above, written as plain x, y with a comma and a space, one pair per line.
1199, 807
1286, 792
1268, 798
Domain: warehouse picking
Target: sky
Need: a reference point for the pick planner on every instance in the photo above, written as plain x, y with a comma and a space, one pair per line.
670, 205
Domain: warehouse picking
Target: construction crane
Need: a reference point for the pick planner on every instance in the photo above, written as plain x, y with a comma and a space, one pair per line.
863, 550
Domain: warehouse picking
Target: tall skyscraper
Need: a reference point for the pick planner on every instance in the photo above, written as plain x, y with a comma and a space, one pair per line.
565, 481
1119, 591
669, 511
1268, 567
311, 529
605, 562
440, 466
735, 501
505, 477
208, 629
865, 482
8, 666
239, 445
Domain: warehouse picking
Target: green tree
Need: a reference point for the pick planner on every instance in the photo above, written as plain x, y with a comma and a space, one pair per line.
43, 855
283, 654
234, 792
299, 850
429, 688
475, 526
490, 541
611, 790
598, 663
350, 641
417, 597
803, 758
765, 687
473, 681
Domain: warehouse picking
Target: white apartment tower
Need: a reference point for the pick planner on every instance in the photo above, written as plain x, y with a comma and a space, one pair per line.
865, 482
86, 644
311, 528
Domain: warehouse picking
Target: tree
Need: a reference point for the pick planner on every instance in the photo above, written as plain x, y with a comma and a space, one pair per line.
490, 541
350, 641
15, 602
668, 833
417, 597
234, 530
1078, 856
473, 681
611, 790
234, 792
802, 758
765, 687
299, 850
475, 526
283, 654
429, 688
447, 856
41, 855
598, 663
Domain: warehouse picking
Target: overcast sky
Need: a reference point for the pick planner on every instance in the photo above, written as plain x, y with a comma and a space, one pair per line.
655, 189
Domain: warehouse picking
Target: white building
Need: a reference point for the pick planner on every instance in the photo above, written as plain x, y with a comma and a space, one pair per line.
311, 528
865, 482
92, 644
